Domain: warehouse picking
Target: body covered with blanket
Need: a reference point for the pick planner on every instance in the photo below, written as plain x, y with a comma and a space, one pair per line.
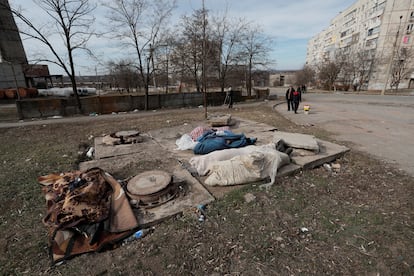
241, 165
218, 140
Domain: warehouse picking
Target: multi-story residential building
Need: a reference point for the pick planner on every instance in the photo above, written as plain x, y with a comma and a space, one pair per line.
382, 31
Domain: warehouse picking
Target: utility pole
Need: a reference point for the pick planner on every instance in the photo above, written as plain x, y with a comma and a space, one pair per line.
166, 68
394, 46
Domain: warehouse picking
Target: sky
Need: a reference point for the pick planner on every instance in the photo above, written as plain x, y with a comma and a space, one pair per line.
290, 24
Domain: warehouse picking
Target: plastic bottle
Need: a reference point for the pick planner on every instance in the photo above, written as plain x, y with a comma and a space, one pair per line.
137, 235
202, 210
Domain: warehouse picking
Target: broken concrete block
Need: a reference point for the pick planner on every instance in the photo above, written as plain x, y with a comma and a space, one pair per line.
220, 120
297, 140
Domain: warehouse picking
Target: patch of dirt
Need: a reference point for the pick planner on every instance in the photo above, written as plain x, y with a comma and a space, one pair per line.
358, 220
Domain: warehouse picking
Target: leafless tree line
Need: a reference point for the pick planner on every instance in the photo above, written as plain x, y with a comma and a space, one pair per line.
202, 49
350, 68
206, 45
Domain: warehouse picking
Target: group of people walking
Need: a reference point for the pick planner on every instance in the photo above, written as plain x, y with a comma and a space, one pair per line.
293, 98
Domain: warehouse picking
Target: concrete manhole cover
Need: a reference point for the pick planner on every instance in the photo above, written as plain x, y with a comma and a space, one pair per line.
151, 188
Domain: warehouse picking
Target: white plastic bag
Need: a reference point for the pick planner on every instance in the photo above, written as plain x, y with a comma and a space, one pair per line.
185, 143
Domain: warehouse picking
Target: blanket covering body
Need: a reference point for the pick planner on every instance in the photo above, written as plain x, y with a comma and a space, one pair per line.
218, 140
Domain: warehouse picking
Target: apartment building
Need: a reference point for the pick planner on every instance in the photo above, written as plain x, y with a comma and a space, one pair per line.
382, 30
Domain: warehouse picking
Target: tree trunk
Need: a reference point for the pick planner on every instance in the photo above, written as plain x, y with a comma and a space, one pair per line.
73, 78
249, 83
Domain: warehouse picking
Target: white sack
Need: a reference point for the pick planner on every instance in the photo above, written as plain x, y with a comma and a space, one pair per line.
243, 169
201, 163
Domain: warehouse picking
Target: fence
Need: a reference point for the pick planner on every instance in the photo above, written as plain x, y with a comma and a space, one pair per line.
106, 104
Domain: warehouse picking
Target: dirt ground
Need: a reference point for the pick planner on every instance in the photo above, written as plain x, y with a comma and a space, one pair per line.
355, 221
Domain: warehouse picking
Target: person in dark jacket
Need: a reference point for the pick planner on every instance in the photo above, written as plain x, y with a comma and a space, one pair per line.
289, 97
296, 98
300, 90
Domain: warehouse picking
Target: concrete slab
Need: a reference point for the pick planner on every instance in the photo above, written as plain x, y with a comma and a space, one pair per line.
103, 150
252, 129
328, 152
151, 154
115, 164
297, 140
193, 195
159, 151
218, 120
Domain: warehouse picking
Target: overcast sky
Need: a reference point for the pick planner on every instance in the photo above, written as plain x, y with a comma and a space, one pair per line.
290, 23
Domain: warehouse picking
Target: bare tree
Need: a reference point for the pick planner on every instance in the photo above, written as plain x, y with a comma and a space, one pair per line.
163, 56
179, 61
345, 60
364, 64
328, 73
137, 24
123, 75
305, 76
227, 33
255, 51
401, 66
72, 21
190, 52
356, 67
333, 70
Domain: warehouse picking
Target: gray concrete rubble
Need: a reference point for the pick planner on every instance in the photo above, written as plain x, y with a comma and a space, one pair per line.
217, 120
190, 196
297, 140
158, 147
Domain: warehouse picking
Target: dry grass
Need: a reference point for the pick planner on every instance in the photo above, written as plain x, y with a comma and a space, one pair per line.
360, 220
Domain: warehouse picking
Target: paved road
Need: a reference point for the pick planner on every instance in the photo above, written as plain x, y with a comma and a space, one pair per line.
379, 125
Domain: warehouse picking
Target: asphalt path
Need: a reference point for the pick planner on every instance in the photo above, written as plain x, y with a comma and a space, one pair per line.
382, 126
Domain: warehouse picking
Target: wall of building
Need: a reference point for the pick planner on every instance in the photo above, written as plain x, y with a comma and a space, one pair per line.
392, 37
10, 74
368, 25
282, 78
11, 49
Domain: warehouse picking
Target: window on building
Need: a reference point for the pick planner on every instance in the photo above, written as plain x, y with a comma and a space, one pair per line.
412, 15
347, 41
410, 28
369, 54
355, 38
372, 43
381, 5
378, 7
373, 31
